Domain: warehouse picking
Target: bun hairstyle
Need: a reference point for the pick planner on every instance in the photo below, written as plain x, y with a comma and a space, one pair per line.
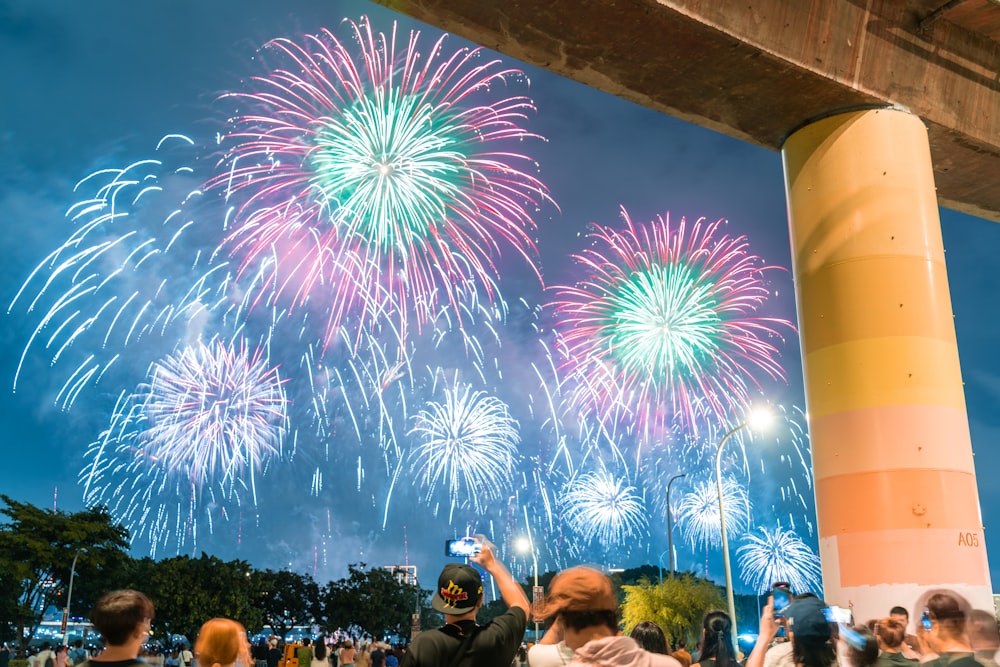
222, 642
717, 629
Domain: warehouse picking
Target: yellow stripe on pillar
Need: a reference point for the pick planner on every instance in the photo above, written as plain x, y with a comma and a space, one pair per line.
890, 437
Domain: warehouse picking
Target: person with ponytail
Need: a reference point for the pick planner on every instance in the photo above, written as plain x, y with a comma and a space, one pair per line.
222, 642
716, 647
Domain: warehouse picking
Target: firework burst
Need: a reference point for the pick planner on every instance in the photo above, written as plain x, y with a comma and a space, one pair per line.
208, 421
778, 555
467, 446
600, 506
698, 512
666, 317
377, 182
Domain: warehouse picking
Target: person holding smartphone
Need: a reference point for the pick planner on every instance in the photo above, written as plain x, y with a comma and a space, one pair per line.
459, 595
808, 633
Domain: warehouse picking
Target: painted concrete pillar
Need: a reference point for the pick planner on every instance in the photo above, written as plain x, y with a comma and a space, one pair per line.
896, 497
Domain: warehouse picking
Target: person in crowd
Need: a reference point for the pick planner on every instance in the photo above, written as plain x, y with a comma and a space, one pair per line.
582, 606
716, 643
273, 652
123, 618
5, 654
890, 633
808, 634
459, 596
185, 657
348, 655
259, 653
377, 654
77, 654
910, 648
304, 653
222, 642
650, 637
62, 656
681, 654
46, 656
946, 636
983, 636
320, 656
859, 647
363, 657
551, 650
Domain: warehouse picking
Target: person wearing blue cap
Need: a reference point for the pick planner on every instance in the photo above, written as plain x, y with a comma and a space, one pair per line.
808, 632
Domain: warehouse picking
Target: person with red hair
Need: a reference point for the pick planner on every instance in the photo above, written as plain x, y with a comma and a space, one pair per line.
222, 642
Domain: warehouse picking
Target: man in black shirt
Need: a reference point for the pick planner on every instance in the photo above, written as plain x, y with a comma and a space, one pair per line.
461, 642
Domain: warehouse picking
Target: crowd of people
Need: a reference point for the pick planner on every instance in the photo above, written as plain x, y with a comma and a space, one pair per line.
582, 615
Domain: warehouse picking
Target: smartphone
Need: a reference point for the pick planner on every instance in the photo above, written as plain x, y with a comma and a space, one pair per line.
781, 595
462, 547
837, 615
925, 620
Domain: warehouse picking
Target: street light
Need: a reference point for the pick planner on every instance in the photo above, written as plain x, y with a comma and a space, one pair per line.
523, 544
755, 420
670, 529
69, 596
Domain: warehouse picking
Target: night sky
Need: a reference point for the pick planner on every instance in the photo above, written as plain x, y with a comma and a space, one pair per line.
96, 85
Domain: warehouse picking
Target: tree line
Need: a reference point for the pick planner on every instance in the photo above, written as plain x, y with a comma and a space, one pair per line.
40, 549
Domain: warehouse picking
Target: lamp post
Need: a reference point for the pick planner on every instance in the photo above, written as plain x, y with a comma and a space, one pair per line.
755, 419
69, 596
529, 544
670, 528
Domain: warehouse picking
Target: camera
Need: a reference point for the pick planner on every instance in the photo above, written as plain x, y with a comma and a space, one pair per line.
781, 593
462, 547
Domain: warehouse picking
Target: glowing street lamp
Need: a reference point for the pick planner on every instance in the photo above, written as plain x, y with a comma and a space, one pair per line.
670, 529
69, 596
758, 419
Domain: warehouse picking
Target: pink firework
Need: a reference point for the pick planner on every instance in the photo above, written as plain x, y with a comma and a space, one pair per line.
663, 328
372, 179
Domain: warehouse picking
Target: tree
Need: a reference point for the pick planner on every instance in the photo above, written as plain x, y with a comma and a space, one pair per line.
37, 551
186, 592
677, 605
373, 600
285, 599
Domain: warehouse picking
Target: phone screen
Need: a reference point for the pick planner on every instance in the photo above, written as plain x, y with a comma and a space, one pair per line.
925, 620
461, 548
782, 597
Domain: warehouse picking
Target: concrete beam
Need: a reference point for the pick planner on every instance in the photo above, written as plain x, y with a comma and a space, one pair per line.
756, 70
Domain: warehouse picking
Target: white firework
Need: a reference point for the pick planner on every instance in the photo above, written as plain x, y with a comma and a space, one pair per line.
778, 555
698, 512
599, 506
467, 445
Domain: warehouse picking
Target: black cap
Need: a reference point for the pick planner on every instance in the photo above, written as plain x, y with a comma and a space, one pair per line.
459, 588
